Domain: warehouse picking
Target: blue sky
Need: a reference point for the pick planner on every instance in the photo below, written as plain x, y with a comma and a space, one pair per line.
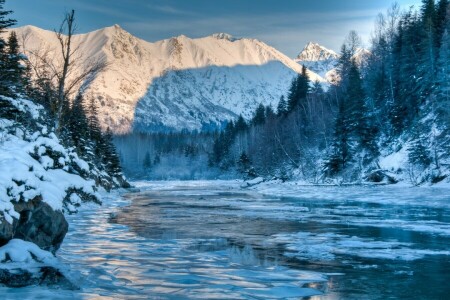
285, 24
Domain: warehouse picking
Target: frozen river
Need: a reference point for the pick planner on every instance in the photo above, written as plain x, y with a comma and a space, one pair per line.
214, 240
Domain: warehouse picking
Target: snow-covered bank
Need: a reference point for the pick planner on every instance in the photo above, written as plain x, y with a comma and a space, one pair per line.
437, 195
33, 164
41, 179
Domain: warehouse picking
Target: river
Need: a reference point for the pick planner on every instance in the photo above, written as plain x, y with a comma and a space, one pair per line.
215, 240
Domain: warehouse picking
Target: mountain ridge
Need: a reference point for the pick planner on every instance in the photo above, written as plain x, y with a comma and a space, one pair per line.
245, 71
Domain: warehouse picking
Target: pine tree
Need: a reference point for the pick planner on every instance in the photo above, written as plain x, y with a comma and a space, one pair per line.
78, 126
241, 124
269, 113
442, 12
419, 152
339, 155
443, 79
244, 166
5, 23
109, 156
14, 69
147, 163
282, 108
344, 65
298, 91
317, 88
157, 159
259, 117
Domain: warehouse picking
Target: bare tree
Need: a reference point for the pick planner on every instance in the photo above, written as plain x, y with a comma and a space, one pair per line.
68, 73
68, 25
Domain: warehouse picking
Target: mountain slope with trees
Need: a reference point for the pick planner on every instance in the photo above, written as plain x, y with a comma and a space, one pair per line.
383, 121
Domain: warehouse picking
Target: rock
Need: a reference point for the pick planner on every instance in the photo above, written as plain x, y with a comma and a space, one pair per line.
379, 176
252, 182
23, 263
45, 275
38, 223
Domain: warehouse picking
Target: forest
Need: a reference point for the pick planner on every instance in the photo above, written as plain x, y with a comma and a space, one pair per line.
397, 100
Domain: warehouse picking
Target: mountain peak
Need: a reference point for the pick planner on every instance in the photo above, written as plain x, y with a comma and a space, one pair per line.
114, 29
224, 36
315, 52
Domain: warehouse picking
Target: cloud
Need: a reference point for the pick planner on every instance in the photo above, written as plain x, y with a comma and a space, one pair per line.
166, 9
107, 11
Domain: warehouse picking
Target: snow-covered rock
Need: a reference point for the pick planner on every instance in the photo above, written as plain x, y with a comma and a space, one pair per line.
19, 251
23, 263
177, 83
252, 182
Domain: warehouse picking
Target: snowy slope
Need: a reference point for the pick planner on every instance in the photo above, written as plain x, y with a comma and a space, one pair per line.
179, 82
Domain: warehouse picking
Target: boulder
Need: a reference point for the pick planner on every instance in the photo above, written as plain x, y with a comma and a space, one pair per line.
23, 263
45, 275
38, 223
380, 176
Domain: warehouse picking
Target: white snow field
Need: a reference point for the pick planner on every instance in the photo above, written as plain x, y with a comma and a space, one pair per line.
216, 240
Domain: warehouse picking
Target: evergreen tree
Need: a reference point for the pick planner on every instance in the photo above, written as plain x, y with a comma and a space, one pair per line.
282, 107
419, 152
157, 159
78, 127
147, 163
241, 124
339, 155
443, 79
442, 10
317, 88
14, 71
5, 23
244, 166
361, 123
344, 65
259, 117
109, 155
298, 91
269, 113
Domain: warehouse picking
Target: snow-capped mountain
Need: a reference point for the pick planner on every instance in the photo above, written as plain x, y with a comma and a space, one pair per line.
323, 61
177, 83
319, 59
316, 52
